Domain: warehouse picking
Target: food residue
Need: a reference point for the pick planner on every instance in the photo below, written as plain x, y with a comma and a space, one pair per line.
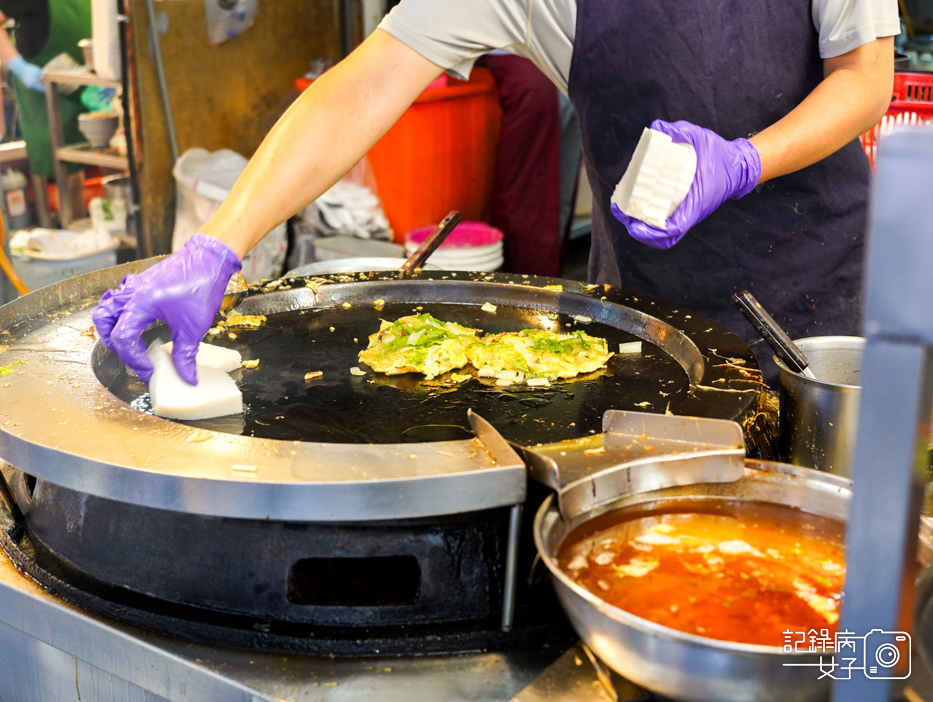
488, 307
6, 370
313, 374
250, 321
251, 364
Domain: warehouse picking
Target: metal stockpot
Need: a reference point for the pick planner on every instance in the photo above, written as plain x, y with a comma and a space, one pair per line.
819, 417
680, 665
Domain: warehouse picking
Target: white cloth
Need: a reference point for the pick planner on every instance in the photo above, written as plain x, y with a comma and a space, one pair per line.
454, 33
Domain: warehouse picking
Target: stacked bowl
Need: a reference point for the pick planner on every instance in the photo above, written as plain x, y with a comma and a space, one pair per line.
471, 246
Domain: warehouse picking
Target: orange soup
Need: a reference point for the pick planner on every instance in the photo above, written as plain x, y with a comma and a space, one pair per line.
734, 570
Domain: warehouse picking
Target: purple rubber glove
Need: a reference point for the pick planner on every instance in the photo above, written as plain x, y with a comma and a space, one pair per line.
726, 170
28, 73
184, 291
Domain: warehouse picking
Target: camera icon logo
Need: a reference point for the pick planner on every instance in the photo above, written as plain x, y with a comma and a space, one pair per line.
886, 654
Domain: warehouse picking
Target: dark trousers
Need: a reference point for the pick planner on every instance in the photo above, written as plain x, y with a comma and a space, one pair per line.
526, 197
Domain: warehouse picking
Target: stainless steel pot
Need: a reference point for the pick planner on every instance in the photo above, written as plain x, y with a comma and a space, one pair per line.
819, 416
679, 665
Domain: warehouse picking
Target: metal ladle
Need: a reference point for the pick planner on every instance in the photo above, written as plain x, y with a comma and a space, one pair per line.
777, 338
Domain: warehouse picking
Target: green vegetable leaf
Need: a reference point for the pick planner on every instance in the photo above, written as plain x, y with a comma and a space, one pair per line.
6, 370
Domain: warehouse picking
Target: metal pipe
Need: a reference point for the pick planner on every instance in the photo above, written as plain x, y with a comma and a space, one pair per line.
893, 424
131, 126
6, 264
511, 565
163, 86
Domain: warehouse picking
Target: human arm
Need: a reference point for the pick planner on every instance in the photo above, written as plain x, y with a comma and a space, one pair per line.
319, 138
850, 100
7, 49
28, 73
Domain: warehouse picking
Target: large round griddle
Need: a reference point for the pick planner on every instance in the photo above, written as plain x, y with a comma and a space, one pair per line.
344, 447
375, 408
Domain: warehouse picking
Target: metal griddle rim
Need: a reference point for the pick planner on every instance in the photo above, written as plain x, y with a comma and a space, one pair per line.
99, 449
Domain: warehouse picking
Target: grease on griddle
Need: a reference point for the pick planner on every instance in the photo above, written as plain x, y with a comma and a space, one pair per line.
340, 408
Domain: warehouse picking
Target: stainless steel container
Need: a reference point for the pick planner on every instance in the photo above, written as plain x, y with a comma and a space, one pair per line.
117, 187
684, 666
819, 417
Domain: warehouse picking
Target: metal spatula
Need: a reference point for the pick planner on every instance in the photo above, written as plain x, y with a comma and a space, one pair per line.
782, 345
638, 452
434, 239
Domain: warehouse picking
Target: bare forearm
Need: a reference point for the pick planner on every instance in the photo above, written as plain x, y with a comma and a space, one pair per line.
7, 50
321, 136
848, 102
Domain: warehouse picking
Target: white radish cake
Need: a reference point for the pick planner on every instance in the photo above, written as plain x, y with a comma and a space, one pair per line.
215, 395
657, 179
227, 360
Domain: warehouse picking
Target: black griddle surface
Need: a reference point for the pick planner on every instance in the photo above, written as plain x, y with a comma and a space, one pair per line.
375, 408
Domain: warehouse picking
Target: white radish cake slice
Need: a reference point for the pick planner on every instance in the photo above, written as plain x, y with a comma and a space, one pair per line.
657, 179
215, 395
227, 360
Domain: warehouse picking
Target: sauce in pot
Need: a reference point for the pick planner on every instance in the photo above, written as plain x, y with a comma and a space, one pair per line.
741, 571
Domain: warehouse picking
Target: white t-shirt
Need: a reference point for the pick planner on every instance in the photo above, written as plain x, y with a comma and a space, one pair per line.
454, 33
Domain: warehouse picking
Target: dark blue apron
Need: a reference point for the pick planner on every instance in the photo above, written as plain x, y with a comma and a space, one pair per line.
736, 67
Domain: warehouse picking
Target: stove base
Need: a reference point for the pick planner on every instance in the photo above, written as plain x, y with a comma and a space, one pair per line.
543, 623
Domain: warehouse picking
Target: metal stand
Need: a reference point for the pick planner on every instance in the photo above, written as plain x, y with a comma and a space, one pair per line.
894, 422
70, 208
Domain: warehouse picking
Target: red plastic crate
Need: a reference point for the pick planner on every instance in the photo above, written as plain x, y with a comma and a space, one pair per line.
911, 104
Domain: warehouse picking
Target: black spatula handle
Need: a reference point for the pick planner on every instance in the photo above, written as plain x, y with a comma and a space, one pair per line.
434, 239
777, 339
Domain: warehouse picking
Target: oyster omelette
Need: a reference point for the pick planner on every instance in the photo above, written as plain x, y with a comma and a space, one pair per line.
423, 344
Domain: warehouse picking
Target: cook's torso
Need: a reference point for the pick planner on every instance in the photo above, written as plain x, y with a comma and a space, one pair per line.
736, 67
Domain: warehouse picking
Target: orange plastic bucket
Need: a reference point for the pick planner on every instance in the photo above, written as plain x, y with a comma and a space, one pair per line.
440, 155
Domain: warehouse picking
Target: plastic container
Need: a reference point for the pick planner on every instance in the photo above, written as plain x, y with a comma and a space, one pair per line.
440, 154
38, 271
15, 200
336, 247
911, 104
93, 187
203, 179
471, 246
